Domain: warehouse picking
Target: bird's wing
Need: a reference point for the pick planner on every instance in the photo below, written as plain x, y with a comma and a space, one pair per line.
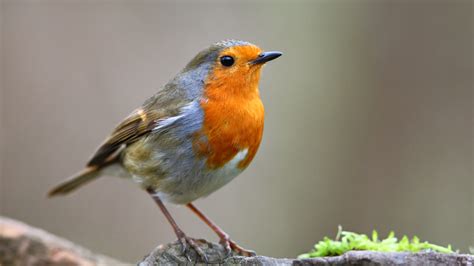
139, 123
165, 106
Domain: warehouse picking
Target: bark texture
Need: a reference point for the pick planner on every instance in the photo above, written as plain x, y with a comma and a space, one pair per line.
171, 254
21, 244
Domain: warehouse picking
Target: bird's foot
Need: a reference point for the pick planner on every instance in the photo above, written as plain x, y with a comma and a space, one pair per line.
230, 245
187, 244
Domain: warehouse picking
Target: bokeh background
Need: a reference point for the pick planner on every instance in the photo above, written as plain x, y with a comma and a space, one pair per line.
369, 118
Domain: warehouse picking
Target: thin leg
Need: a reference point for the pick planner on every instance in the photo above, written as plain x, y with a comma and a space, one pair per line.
185, 240
224, 237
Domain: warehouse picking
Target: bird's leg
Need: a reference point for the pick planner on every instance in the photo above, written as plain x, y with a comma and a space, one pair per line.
224, 237
185, 240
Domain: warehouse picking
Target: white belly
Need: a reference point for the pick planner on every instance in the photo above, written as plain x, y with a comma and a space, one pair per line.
202, 184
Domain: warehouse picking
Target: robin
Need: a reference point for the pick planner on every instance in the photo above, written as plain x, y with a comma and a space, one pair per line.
192, 137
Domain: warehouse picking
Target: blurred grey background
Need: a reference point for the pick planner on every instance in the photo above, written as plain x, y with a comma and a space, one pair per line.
369, 118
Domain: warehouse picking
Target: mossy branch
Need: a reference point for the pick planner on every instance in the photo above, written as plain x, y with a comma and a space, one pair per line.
21, 244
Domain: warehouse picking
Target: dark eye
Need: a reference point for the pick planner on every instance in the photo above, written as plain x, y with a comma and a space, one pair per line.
227, 60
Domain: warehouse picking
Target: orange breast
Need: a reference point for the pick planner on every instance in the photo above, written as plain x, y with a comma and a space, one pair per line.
233, 120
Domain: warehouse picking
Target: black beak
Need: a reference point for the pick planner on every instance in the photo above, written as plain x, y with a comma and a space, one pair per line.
265, 57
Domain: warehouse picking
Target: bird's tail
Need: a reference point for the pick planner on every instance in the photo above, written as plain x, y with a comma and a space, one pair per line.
75, 182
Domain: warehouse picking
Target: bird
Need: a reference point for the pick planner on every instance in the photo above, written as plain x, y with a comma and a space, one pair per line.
193, 136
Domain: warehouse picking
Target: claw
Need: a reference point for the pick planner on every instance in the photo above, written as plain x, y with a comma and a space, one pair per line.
184, 245
230, 246
187, 244
240, 250
225, 242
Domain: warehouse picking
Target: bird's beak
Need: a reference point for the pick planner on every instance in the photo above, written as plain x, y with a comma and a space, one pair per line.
265, 57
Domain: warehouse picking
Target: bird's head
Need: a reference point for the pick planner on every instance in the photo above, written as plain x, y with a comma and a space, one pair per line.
230, 68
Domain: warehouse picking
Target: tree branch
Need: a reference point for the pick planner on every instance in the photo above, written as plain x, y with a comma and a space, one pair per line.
21, 244
171, 254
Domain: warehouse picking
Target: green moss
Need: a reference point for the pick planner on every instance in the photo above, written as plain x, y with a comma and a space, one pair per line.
347, 241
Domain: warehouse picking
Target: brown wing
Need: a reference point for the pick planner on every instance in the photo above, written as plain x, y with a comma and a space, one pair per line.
136, 125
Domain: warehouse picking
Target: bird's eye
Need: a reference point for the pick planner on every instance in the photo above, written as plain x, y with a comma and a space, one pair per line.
227, 60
